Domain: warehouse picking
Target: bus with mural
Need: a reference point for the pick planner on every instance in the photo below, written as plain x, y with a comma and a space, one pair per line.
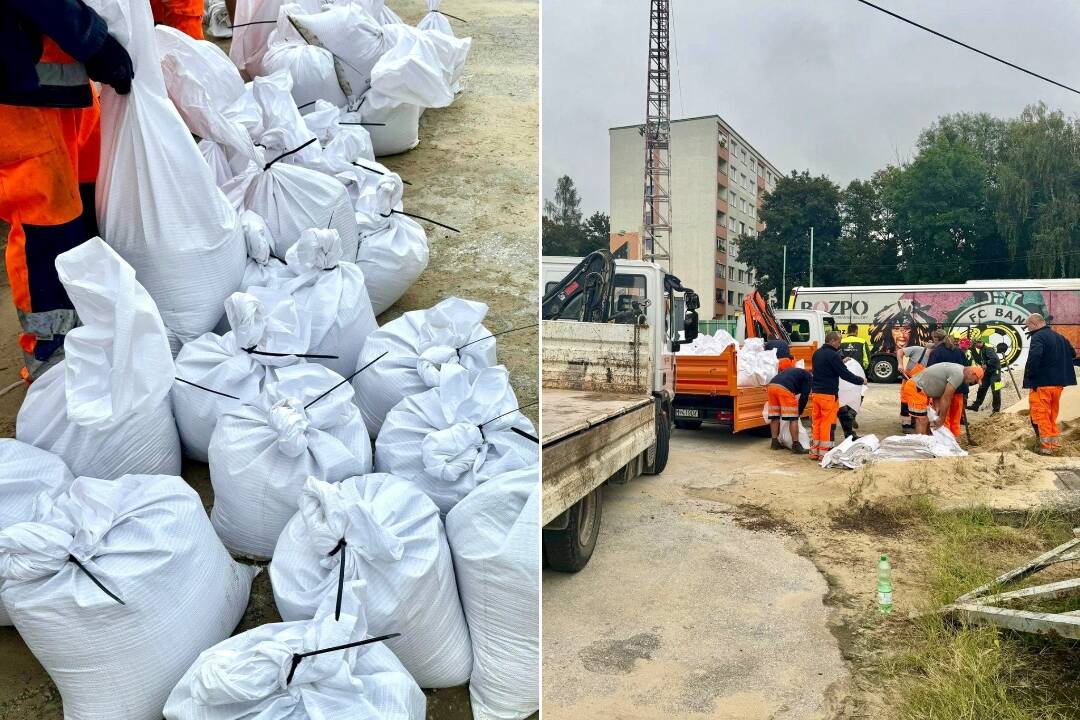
894, 316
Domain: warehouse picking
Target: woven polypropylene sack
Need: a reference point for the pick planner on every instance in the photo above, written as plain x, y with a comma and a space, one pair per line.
435, 21
333, 295
251, 34
263, 269
311, 69
452, 52
453, 437
25, 473
395, 542
393, 248
494, 537
418, 345
147, 540
353, 37
271, 330
262, 454
252, 675
417, 68
105, 409
157, 202
395, 126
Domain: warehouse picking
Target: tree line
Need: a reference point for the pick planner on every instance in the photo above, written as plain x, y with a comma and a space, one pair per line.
982, 198
564, 231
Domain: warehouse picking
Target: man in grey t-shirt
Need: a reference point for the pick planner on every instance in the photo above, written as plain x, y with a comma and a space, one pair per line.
940, 383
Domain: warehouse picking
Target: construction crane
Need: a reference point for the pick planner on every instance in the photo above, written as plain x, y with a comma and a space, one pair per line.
656, 216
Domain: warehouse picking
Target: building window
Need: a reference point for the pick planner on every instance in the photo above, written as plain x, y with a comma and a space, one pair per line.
740, 298
719, 217
733, 197
719, 244
719, 297
742, 276
731, 273
731, 297
720, 270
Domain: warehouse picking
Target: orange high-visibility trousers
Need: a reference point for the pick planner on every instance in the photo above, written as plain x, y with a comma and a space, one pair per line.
782, 403
48, 163
1043, 404
823, 411
954, 414
184, 15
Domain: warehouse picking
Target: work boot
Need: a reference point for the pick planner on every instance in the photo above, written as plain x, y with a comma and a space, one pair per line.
797, 448
907, 429
1045, 451
776, 444
973, 408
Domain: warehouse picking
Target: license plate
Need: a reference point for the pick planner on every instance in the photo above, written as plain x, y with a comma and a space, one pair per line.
686, 412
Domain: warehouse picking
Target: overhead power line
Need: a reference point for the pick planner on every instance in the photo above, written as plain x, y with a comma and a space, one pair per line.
943, 36
935, 263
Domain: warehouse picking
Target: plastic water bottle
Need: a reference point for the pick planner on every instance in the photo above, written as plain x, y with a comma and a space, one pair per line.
884, 585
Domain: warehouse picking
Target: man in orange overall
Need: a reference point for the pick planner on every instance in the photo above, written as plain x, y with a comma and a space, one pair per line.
788, 393
829, 369
942, 383
50, 140
1048, 371
184, 15
911, 361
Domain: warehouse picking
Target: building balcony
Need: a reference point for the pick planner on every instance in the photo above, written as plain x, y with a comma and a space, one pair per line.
721, 205
722, 179
761, 182
723, 153
721, 231
761, 227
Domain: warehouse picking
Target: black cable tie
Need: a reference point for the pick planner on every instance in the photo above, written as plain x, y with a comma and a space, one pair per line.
216, 392
523, 327
510, 412
297, 657
307, 104
331, 218
345, 380
253, 22
451, 16
524, 434
419, 217
93, 579
342, 122
290, 152
252, 351
341, 576
378, 172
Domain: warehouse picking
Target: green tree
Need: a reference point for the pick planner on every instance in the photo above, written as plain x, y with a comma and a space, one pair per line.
940, 208
983, 132
797, 203
564, 233
565, 209
867, 246
1038, 195
597, 232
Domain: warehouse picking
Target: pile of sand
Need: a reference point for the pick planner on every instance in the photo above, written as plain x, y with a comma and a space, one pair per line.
1070, 405
1009, 432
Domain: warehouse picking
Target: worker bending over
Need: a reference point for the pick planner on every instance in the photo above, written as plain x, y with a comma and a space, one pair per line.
855, 347
784, 360
50, 50
788, 393
941, 383
829, 369
911, 361
1049, 369
985, 357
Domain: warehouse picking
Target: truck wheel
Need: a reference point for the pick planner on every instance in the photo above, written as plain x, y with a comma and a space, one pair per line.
688, 424
883, 369
657, 456
569, 550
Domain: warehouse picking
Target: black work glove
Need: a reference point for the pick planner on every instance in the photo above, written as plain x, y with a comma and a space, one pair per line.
111, 65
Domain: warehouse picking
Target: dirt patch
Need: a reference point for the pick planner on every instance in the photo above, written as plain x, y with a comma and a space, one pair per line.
759, 518
612, 657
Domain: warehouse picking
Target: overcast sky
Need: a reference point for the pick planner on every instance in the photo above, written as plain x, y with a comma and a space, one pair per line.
831, 86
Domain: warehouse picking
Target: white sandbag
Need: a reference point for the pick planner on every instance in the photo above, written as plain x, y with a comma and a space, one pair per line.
852, 454
452, 53
261, 454
756, 365
393, 249
214, 367
381, 12
494, 537
25, 473
394, 540
248, 675
311, 68
451, 438
263, 269
353, 37
217, 19
852, 395
217, 161
157, 203
413, 70
709, 344
252, 25
147, 540
284, 129
419, 345
342, 138
105, 409
395, 127
785, 431
333, 295
435, 21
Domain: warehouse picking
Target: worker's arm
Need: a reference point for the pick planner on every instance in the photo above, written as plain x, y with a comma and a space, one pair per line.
804, 395
78, 30
1035, 353
943, 404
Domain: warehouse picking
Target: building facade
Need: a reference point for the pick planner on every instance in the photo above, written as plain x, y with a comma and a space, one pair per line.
718, 181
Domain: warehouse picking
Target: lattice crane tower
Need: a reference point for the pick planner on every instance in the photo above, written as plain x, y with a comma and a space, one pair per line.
656, 217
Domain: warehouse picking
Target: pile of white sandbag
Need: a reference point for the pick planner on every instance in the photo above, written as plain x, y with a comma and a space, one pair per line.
756, 365
709, 344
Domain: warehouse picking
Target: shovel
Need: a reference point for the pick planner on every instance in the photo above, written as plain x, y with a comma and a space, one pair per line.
1002, 348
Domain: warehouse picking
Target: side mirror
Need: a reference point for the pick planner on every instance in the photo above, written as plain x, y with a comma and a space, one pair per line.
690, 330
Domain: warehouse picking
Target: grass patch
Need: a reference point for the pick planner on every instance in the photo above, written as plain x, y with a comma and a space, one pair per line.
943, 671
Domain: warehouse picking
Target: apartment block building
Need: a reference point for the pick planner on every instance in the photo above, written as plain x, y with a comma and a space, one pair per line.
718, 181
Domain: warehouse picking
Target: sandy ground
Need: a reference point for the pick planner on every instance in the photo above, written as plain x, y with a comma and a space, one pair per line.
729, 586
475, 169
